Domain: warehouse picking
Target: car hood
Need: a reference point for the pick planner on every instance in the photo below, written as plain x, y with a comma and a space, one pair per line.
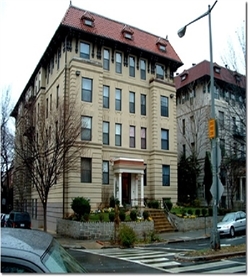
221, 224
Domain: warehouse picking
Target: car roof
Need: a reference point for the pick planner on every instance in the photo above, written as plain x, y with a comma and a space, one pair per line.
34, 241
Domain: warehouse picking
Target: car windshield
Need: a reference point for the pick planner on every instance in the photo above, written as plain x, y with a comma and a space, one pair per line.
228, 217
58, 260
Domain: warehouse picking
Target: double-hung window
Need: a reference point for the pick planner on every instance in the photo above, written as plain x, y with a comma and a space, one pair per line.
143, 69
132, 136
87, 89
84, 50
164, 106
143, 138
86, 171
164, 139
118, 99
131, 66
105, 133
118, 134
106, 59
118, 62
165, 175
105, 172
159, 72
131, 102
86, 128
143, 104
105, 97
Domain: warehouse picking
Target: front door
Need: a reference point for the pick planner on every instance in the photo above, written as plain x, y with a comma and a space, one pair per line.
126, 188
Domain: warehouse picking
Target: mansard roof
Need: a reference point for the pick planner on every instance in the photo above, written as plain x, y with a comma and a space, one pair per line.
111, 29
203, 69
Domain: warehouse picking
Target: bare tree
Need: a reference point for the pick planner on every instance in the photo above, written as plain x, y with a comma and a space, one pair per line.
48, 146
7, 147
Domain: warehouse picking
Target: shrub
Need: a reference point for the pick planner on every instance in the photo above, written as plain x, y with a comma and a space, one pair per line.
169, 204
80, 206
101, 217
196, 203
210, 212
190, 211
126, 236
145, 215
112, 216
133, 215
113, 201
204, 212
122, 215
197, 212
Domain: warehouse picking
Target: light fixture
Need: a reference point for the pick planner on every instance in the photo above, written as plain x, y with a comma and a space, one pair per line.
78, 73
171, 95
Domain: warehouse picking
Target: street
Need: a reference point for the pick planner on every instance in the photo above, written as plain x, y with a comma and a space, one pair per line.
158, 259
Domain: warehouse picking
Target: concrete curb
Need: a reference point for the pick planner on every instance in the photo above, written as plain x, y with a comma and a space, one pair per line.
180, 256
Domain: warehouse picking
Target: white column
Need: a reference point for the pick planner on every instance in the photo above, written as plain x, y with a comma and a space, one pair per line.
136, 189
114, 181
120, 188
142, 190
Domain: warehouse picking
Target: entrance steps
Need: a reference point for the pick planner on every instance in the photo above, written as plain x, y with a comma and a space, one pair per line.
161, 222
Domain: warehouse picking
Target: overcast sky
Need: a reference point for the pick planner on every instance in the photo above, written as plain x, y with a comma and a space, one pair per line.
27, 26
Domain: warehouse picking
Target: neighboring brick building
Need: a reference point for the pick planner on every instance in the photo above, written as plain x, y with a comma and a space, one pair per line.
123, 79
193, 100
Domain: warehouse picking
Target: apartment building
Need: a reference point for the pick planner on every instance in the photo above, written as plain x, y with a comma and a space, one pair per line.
121, 80
193, 99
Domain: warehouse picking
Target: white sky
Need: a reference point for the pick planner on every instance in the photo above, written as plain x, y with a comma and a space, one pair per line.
27, 26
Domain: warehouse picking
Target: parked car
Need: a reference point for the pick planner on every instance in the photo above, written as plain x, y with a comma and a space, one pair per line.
4, 219
35, 251
19, 220
232, 223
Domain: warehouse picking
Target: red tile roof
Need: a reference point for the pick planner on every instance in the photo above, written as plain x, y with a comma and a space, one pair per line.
111, 29
203, 69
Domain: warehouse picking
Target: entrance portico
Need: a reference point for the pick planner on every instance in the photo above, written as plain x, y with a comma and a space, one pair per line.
128, 178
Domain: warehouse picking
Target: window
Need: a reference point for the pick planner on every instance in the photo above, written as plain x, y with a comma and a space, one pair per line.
164, 139
132, 136
84, 50
183, 127
143, 104
184, 149
86, 132
159, 72
118, 63
105, 133
131, 102
86, 174
164, 106
221, 119
131, 66
118, 99
118, 134
105, 172
57, 96
87, 90
222, 147
106, 59
143, 138
143, 69
105, 97
234, 124
165, 175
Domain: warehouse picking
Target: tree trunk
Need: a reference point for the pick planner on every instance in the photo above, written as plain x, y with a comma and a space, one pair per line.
45, 216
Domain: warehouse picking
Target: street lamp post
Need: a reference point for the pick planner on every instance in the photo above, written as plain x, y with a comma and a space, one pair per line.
215, 237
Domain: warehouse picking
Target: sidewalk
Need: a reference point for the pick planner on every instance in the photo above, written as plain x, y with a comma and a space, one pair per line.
169, 237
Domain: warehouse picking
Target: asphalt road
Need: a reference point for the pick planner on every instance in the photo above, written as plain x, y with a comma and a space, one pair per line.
156, 259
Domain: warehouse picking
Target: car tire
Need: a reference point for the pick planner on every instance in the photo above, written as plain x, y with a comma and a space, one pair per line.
232, 232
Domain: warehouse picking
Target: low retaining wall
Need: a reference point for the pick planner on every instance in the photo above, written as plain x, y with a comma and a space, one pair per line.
198, 223
98, 230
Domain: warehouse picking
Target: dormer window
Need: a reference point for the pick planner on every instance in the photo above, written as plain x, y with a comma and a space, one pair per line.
162, 44
217, 69
237, 78
88, 19
127, 32
183, 77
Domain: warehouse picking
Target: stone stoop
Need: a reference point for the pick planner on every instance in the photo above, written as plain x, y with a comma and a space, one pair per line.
161, 222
